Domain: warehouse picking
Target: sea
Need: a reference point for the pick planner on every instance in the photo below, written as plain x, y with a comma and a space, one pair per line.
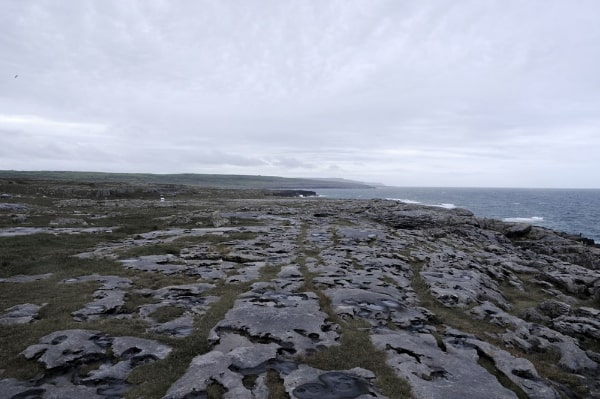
575, 211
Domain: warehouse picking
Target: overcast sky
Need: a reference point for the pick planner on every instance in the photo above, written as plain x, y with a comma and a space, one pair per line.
410, 93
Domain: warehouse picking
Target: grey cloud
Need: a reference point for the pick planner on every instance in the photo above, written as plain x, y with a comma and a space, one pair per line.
293, 163
449, 93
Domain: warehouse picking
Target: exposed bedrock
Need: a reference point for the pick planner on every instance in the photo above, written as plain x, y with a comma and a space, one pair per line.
456, 306
292, 320
67, 352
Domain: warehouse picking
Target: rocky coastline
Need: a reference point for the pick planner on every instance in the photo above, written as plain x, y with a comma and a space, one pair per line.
258, 296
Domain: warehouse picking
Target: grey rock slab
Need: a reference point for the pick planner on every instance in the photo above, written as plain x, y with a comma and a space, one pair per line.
110, 298
375, 306
23, 278
573, 278
67, 221
248, 272
70, 391
519, 370
247, 357
139, 348
573, 358
553, 308
290, 271
62, 347
360, 235
20, 314
217, 220
5, 206
178, 328
461, 288
212, 366
108, 282
226, 342
588, 312
577, 325
133, 351
64, 351
435, 374
311, 383
23, 231
10, 388
109, 371
155, 263
293, 321
108, 302
531, 336
178, 292
208, 269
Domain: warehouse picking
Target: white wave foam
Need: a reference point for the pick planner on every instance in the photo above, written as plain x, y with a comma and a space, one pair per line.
533, 219
406, 201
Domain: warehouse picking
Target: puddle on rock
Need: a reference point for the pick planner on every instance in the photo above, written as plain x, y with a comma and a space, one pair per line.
334, 385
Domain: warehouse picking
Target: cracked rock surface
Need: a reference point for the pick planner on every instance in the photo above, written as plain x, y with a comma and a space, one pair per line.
307, 299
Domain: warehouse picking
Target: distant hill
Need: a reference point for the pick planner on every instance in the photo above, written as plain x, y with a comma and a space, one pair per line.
203, 180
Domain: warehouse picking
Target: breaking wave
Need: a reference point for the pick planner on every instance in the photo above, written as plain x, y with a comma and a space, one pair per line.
406, 201
533, 219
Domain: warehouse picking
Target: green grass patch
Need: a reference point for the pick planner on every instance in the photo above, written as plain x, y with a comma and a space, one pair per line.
530, 297
152, 249
275, 384
167, 313
48, 253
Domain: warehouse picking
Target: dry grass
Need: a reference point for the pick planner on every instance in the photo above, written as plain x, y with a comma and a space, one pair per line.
275, 385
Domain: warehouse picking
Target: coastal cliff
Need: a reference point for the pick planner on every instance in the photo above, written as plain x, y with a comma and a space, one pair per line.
246, 295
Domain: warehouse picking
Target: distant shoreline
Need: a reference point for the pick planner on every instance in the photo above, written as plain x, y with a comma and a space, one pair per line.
193, 179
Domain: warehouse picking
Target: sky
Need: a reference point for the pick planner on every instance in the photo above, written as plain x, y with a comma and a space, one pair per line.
462, 93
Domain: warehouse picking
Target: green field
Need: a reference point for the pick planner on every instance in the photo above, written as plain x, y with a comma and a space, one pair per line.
203, 180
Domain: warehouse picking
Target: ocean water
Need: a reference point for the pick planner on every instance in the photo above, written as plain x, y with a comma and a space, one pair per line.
575, 211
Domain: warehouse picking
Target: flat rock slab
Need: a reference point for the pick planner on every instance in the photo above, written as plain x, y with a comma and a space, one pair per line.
311, 383
455, 280
166, 264
23, 231
436, 374
65, 352
108, 282
178, 328
11, 388
63, 347
23, 278
107, 303
519, 370
378, 308
212, 366
530, 336
109, 299
293, 320
20, 314
246, 272
179, 292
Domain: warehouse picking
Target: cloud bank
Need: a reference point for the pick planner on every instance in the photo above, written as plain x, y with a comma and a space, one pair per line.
421, 93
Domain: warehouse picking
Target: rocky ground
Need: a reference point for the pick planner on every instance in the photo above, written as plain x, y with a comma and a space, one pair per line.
218, 294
